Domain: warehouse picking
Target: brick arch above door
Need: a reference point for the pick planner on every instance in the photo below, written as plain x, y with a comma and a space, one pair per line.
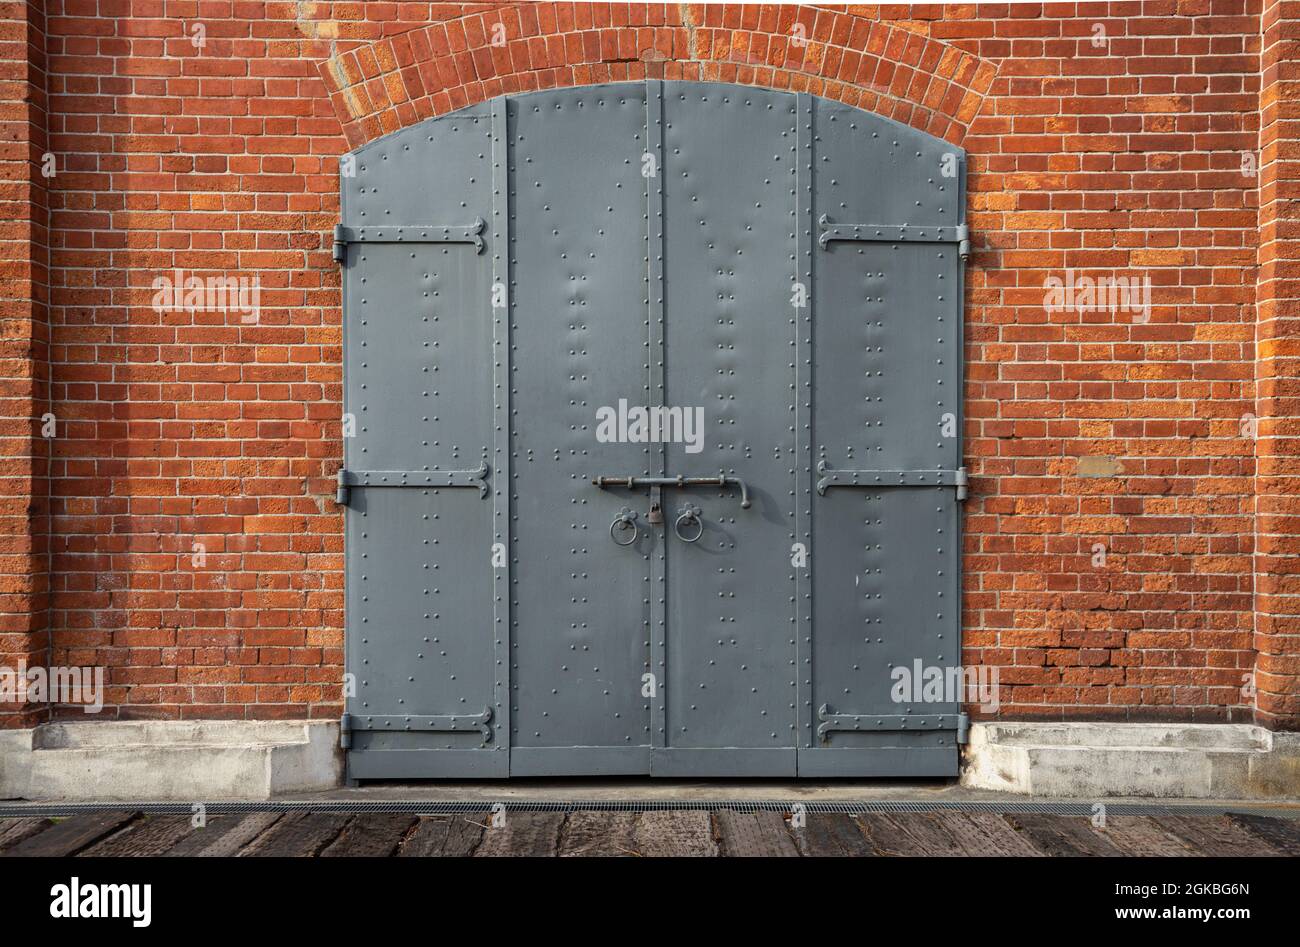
870, 64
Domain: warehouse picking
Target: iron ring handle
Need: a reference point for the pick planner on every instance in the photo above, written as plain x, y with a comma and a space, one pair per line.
689, 514
626, 520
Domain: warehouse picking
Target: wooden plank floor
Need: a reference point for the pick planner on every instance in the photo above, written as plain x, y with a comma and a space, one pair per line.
700, 833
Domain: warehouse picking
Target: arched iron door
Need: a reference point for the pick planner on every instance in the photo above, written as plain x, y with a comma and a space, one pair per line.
653, 438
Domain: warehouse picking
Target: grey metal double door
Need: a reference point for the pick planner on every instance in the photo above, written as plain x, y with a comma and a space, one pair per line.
652, 438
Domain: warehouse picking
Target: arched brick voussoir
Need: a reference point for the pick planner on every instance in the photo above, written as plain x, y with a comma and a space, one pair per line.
406, 78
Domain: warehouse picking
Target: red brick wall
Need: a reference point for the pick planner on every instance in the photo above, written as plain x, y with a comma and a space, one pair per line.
1277, 598
179, 429
24, 347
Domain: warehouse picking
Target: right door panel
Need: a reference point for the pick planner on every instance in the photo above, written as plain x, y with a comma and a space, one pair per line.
728, 202
886, 446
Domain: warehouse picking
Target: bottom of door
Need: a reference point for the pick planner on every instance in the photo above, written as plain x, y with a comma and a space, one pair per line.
428, 764
579, 760
650, 761
900, 761
722, 763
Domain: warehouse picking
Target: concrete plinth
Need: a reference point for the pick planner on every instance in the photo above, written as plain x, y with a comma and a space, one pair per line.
1097, 760
252, 760
169, 760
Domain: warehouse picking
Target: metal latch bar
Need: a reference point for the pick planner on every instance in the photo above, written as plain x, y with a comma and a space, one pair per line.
869, 723
419, 233
895, 233
721, 480
441, 723
412, 478
830, 477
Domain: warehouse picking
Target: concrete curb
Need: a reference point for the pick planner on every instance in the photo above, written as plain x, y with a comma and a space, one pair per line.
181, 760
259, 760
1104, 760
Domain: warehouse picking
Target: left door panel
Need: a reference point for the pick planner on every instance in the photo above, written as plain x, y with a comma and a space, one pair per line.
426, 688
580, 342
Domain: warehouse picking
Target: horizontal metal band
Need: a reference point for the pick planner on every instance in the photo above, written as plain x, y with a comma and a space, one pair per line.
867, 723
830, 477
412, 478
420, 233
895, 233
443, 723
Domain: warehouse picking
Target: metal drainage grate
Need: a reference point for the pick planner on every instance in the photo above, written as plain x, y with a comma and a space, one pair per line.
12, 810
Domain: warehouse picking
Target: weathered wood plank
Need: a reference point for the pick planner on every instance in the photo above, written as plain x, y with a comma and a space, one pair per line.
1139, 835
525, 834
445, 836
151, 835
1216, 836
675, 833
13, 831
224, 835
1062, 835
371, 835
831, 834
654, 833
602, 834
932, 840
985, 834
1282, 834
297, 835
886, 837
71, 835
755, 834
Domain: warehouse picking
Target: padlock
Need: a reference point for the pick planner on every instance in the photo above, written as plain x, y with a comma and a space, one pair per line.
656, 516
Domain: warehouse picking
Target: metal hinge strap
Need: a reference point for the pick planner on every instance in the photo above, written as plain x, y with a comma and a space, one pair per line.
830, 477
436, 723
895, 233
419, 233
871, 723
411, 478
